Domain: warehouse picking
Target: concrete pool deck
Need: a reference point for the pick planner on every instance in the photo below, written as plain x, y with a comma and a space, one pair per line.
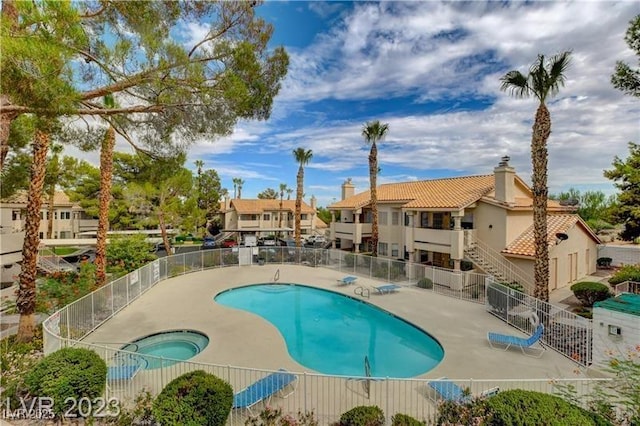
242, 339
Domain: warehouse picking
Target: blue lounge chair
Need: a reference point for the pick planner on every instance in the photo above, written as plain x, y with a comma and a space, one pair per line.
447, 390
387, 288
507, 341
347, 280
264, 389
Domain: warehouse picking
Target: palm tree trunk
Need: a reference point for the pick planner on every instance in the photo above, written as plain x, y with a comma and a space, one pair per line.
52, 194
280, 216
300, 180
106, 168
26, 301
373, 174
541, 132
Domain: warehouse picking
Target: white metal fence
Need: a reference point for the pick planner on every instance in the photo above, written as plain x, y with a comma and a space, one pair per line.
327, 396
627, 287
566, 332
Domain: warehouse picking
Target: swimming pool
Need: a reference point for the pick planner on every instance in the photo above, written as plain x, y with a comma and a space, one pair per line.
178, 345
332, 333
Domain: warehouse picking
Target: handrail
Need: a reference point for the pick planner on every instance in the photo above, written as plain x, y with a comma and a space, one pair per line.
507, 269
276, 277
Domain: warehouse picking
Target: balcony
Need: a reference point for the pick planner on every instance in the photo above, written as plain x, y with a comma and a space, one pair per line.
351, 231
11, 248
87, 224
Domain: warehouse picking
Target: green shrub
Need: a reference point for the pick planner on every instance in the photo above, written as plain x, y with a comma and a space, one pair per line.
274, 417
425, 283
465, 265
604, 262
68, 373
363, 416
194, 399
520, 407
589, 293
349, 259
405, 420
626, 273
61, 288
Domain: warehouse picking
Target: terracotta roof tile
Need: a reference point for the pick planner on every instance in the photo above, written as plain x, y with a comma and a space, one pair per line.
20, 197
524, 245
253, 206
455, 192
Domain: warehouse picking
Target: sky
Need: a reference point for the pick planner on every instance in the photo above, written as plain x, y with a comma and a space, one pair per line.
431, 70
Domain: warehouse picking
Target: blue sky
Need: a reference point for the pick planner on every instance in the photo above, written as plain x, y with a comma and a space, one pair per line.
431, 70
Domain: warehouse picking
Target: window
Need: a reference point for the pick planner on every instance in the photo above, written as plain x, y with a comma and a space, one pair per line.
41, 235
382, 218
383, 249
266, 216
249, 217
65, 215
15, 215
395, 252
437, 220
65, 234
408, 219
55, 215
41, 215
395, 218
303, 216
424, 219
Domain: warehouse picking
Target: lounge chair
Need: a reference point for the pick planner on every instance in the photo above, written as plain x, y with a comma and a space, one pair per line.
347, 280
387, 288
264, 389
507, 341
447, 390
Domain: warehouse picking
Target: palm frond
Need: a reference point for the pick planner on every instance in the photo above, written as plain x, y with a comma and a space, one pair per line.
558, 65
515, 83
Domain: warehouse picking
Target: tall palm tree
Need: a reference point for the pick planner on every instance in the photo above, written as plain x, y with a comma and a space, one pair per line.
240, 183
235, 186
51, 179
373, 132
543, 81
104, 199
26, 300
302, 156
289, 192
283, 188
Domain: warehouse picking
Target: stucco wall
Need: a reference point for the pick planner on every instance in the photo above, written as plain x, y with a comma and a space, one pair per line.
485, 215
604, 343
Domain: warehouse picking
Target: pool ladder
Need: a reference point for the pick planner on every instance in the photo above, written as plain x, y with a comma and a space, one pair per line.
361, 291
276, 277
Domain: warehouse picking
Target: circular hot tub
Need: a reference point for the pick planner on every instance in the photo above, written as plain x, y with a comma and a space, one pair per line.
168, 347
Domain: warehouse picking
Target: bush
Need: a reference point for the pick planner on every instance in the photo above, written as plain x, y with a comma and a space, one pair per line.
520, 407
61, 288
425, 283
363, 416
405, 420
274, 417
626, 273
196, 398
128, 253
589, 293
349, 259
604, 262
68, 373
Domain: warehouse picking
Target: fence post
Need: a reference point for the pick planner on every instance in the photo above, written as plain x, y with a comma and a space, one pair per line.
304, 377
93, 312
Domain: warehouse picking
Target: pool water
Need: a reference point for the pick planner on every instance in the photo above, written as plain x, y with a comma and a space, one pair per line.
332, 333
177, 345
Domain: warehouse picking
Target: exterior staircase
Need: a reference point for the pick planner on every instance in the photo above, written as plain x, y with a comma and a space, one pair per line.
51, 263
494, 263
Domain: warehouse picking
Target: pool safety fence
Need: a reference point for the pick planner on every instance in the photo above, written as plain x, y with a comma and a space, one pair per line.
328, 396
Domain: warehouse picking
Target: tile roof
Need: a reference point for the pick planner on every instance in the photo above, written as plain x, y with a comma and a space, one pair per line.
455, 192
247, 206
524, 245
20, 197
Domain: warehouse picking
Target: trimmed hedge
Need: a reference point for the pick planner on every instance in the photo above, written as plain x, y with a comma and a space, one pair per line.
425, 283
68, 373
363, 416
528, 408
405, 420
589, 292
194, 399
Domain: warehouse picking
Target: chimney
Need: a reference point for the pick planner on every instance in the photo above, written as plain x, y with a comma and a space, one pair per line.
505, 181
227, 203
313, 202
348, 190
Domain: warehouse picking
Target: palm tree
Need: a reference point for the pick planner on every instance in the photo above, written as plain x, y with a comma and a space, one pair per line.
283, 188
240, 183
26, 300
104, 198
51, 179
302, 156
289, 192
235, 186
373, 132
543, 81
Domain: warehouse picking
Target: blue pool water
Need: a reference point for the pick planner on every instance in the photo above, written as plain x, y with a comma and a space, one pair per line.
331, 333
177, 345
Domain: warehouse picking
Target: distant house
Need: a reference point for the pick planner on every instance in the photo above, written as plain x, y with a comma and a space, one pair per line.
484, 219
265, 217
69, 219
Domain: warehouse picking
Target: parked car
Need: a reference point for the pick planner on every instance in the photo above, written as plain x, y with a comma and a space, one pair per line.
208, 243
316, 239
269, 240
229, 242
